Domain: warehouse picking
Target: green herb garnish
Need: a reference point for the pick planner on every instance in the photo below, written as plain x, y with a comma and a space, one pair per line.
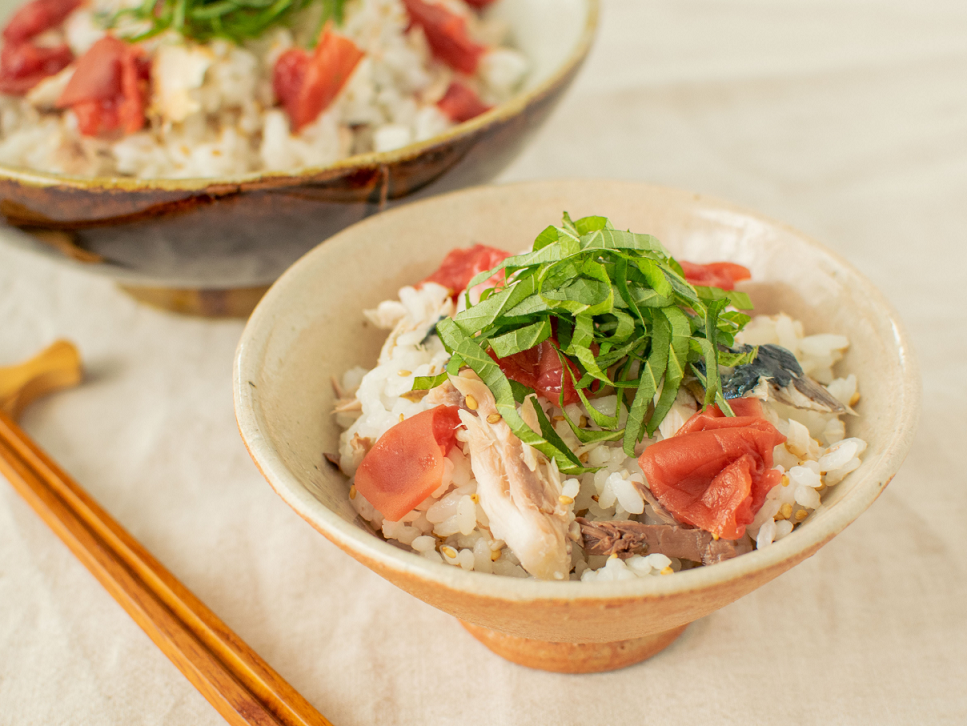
623, 314
234, 20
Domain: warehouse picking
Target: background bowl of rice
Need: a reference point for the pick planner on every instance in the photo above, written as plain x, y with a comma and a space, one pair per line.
305, 331
244, 230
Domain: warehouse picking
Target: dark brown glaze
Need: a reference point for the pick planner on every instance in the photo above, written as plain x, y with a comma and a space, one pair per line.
470, 153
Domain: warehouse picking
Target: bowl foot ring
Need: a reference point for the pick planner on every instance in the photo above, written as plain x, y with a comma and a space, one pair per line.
573, 657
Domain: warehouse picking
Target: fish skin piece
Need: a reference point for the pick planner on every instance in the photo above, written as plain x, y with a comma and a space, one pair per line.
523, 506
626, 538
785, 382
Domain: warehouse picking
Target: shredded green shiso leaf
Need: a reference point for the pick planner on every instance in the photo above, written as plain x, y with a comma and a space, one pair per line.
623, 315
234, 20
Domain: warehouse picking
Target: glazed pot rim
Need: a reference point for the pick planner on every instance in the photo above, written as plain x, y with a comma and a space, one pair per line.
269, 179
370, 548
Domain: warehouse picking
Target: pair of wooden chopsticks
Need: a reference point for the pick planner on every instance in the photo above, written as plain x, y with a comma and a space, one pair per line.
234, 679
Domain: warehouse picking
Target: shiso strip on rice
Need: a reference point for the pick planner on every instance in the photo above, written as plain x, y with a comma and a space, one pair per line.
600, 478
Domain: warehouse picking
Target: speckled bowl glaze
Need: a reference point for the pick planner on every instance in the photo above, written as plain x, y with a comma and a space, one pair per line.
310, 327
114, 215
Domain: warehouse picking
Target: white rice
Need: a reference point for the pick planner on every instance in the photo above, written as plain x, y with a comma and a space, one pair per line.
212, 110
451, 527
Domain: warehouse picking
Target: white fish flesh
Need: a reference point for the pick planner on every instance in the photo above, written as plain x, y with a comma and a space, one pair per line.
523, 505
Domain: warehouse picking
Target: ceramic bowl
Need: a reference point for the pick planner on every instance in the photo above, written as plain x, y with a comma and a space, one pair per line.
310, 327
245, 230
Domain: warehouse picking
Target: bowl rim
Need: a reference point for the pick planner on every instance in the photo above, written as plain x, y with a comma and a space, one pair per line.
268, 179
373, 549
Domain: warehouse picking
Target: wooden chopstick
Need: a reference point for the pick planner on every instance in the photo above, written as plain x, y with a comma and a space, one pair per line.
235, 680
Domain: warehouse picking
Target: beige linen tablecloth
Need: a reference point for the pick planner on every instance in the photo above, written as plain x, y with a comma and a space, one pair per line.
848, 120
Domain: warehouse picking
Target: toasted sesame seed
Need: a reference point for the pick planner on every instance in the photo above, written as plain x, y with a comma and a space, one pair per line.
564, 499
785, 480
668, 570
402, 418
471, 403
583, 458
594, 497
854, 399
715, 537
801, 515
352, 492
557, 419
475, 498
449, 552
786, 510
495, 555
493, 418
583, 423
403, 374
